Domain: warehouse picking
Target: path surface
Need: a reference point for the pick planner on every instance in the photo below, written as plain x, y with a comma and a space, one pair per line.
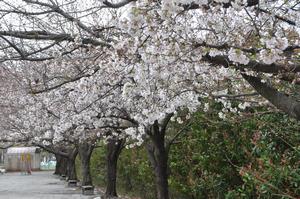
39, 185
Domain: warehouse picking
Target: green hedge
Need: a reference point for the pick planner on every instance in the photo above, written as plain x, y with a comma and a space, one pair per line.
251, 157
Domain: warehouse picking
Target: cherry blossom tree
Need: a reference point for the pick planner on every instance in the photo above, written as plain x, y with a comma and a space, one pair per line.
140, 62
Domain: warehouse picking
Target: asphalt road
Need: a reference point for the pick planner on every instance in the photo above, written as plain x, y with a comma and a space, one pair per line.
39, 185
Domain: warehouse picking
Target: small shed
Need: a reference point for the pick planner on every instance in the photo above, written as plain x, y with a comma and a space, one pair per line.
15, 156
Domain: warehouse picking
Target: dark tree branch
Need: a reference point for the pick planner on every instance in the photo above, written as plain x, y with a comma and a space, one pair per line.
51, 150
166, 122
21, 53
290, 22
286, 103
5, 147
252, 65
175, 137
43, 35
116, 5
58, 10
27, 13
236, 96
193, 6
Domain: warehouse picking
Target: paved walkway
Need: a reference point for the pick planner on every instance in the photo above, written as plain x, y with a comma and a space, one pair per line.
39, 185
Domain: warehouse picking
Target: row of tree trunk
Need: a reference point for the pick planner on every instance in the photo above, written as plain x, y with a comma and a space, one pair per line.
65, 164
157, 153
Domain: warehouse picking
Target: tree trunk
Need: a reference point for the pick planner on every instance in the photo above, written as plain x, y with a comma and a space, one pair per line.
63, 168
58, 164
114, 148
61, 165
71, 164
85, 151
158, 156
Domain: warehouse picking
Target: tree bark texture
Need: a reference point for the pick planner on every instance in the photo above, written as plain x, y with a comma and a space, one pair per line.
114, 148
85, 152
61, 165
282, 101
158, 156
72, 175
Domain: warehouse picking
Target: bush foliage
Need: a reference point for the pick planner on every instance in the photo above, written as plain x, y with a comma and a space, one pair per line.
255, 156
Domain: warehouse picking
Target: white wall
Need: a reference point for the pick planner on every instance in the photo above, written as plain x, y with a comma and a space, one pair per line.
12, 162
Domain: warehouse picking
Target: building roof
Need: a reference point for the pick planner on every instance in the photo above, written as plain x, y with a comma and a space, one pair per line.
20, 150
